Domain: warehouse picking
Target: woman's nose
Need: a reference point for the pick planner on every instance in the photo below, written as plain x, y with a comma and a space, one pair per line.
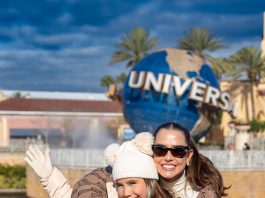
168, 156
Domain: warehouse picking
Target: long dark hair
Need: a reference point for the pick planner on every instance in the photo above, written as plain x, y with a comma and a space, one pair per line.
201, 172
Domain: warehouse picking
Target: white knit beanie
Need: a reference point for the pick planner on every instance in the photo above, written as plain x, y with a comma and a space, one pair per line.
132, 158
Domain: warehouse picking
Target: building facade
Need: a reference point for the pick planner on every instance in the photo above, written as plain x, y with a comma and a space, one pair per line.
61, 122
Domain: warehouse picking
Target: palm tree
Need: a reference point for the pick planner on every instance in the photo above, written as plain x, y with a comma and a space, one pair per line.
133, 46
220, 66
106, 81
243, 89
121, 78
19, 95
248, 63
114, 85
201, 42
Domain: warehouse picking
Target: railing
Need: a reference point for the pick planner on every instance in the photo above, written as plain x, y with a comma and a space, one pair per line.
78, 158
20, 145
223, 159
226, 160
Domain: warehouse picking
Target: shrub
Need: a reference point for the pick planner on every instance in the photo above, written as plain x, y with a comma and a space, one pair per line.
257, 126
12, 176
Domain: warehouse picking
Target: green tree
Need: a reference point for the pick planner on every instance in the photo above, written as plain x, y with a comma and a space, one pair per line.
220, 66
114, 85
121, 78
106, 81
19, 95
201, 42
133, 46
248, 64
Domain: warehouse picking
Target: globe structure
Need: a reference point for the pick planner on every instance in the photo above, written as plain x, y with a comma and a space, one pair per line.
145, 110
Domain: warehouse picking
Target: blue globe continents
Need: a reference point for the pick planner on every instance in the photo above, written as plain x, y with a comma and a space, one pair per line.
149, 103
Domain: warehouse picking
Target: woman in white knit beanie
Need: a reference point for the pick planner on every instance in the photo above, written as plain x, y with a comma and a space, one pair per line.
134, 171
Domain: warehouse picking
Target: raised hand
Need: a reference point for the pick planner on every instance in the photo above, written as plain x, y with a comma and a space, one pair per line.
39, 162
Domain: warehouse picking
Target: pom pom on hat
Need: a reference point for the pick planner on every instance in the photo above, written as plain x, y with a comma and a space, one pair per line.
111, 153
143, 142
132, 158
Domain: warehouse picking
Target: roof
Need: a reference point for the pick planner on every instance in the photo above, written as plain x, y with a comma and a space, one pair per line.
56, 105
57, 95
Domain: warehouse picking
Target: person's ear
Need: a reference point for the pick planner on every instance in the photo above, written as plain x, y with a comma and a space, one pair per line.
190, 155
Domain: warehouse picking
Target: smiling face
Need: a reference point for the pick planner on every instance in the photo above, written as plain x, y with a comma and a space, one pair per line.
169, 167
131, 187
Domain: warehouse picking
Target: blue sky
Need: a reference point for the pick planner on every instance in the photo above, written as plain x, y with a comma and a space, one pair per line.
66, 45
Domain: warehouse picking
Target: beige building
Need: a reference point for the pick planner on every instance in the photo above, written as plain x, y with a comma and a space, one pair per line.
240, 93
241, 97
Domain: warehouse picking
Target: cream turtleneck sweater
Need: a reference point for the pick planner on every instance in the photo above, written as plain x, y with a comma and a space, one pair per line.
180, 188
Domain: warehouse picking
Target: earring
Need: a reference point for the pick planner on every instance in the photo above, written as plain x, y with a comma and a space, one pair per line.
188, 163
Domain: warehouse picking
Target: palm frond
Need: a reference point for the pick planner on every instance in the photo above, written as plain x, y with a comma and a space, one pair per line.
106, 81
220, 66
199, 41
248, 60
133, 46
120, 56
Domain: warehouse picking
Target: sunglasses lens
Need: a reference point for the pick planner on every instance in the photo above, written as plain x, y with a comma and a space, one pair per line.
159, 150
178, 152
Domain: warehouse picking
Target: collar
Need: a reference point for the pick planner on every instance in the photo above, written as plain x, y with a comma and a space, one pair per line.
180, 188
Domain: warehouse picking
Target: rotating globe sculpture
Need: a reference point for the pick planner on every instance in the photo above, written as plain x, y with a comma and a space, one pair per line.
159, 90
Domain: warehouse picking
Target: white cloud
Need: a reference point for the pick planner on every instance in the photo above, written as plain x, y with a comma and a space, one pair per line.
84, 51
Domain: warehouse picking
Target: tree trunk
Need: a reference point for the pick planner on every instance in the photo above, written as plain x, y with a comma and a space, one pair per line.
252, 100
245, 94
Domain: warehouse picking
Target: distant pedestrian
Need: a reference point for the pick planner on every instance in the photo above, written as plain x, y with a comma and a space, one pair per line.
246, 147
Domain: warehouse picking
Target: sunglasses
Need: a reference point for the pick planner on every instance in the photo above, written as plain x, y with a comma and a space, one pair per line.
176, 151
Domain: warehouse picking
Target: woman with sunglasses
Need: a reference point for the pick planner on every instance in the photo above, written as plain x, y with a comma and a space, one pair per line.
182, 169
